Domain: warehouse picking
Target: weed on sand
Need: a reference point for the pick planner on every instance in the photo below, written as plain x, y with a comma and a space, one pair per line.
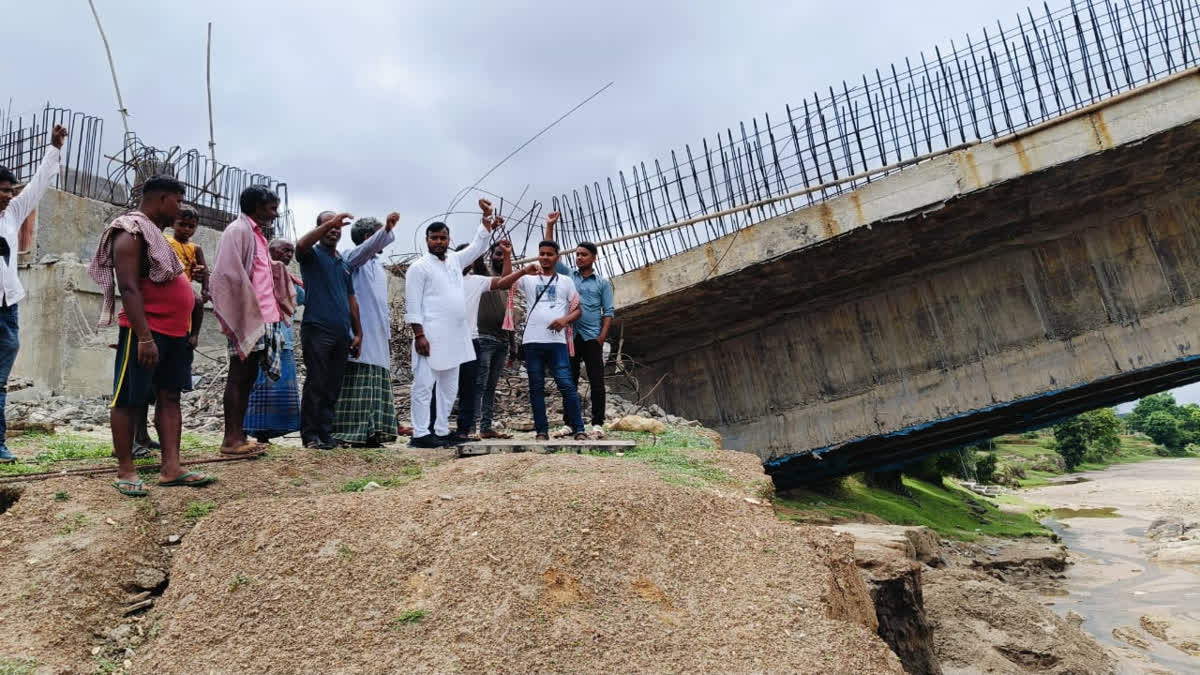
407, 475
669, 454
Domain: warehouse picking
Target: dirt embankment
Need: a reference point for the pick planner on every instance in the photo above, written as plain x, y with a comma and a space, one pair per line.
502, 563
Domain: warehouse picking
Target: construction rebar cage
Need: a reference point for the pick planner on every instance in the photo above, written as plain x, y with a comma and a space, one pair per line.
213, 188
1002, 80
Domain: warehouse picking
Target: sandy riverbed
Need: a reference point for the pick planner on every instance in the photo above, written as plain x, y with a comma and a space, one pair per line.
1113, 582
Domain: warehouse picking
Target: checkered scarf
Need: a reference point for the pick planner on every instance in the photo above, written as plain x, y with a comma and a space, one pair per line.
164, 264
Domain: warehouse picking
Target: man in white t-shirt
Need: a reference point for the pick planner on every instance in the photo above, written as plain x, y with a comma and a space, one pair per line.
553, 304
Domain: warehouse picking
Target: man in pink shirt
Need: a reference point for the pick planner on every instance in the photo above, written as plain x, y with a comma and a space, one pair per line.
245, 303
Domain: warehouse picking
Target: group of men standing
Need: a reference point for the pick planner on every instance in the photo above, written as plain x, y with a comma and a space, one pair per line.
459, 331
460, 306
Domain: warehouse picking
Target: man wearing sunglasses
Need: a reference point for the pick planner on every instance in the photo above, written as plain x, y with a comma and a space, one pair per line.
14, 209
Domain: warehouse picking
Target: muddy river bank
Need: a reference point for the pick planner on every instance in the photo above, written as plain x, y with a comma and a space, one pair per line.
1135, 577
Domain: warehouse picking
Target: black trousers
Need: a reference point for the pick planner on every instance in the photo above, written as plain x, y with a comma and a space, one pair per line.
590, 354
325, 354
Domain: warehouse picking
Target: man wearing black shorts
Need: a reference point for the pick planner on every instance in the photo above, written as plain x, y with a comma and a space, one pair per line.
154, 358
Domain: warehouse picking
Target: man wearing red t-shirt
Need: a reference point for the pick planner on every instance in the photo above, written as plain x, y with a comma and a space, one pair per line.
154, 357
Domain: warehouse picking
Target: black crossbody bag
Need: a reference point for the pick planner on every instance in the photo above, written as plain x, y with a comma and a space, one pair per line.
536, 300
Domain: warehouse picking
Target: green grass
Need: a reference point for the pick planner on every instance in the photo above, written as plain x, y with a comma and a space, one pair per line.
72, 524
1027, 452
942, 509
53, 449
410, 617
407, 475
17, 666
62, 496
663, 452
238, 581
197, 510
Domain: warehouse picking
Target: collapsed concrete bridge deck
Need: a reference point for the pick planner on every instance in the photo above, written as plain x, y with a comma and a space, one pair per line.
994, 288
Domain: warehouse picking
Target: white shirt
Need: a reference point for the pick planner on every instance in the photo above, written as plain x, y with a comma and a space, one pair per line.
434, 297
371, 291
554, 304
474, 286
11, 218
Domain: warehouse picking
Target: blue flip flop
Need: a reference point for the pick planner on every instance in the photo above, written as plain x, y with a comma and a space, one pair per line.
183, 480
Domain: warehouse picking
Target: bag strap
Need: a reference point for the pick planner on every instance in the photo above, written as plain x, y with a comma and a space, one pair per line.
536, 300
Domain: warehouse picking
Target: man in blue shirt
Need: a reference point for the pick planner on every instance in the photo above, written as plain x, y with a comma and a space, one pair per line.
591, 329
330, 331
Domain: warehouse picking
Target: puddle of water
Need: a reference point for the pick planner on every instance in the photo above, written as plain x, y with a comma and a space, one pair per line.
1101, 512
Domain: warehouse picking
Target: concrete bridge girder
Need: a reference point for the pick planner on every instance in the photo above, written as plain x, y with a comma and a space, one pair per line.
1014, 271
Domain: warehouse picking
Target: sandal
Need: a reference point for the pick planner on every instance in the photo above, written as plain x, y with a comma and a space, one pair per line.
494, 434
581, 436
244, 449
183, 480
131, 488
541, 437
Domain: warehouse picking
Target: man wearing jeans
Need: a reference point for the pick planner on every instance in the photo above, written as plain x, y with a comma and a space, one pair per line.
591, 330
490, 339
14, 209
549, 297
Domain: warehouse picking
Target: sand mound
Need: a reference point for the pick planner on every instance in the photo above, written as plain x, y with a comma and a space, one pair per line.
517, 563
981, 625
69, 561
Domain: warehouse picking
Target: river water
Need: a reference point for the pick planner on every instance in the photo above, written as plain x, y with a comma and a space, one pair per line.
1112, 582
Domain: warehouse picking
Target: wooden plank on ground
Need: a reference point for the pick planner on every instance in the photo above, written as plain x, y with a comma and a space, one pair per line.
496, 446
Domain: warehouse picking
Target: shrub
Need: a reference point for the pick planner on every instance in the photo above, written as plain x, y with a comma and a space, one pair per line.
1030, 435
985, 468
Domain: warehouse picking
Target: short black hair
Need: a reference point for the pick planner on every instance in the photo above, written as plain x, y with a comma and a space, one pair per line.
324, 216
7, 176
437, 226
163, 184
256, 196
551, 244
589, 246
188, 212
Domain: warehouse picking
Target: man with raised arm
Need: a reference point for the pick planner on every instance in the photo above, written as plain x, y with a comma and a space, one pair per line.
366, 409
14, 209
331, 331
435, 307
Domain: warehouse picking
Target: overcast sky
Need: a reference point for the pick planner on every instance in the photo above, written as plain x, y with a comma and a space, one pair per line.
371, 106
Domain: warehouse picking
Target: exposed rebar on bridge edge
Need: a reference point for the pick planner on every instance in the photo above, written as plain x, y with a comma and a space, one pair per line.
998, 85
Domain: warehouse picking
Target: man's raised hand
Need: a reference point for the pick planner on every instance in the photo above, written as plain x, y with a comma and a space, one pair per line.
58, 135
486, 207
531, 269
552, 218
392, 219
339, 221
505, 247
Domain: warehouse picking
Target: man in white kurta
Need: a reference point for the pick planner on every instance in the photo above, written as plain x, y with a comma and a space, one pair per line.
435, 307
366, 411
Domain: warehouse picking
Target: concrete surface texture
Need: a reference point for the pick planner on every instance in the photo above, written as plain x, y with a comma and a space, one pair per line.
997, 287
